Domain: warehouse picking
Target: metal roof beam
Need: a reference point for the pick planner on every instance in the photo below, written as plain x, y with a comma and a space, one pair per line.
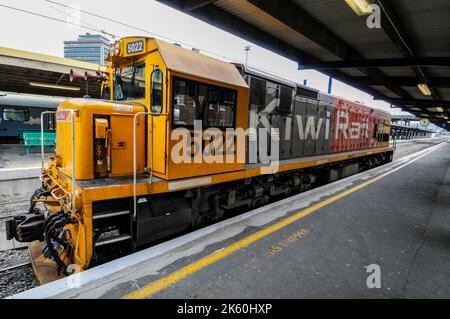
291, 14
375, 63
191, 5
419, 102
301, 21
391, 24
419, 114
226, 21
404, 117
218, 17
437, 82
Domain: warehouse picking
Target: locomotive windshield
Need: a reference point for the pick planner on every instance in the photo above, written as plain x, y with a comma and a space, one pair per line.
129, 82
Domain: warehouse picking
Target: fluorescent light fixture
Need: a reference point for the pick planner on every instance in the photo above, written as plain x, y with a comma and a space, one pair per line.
361, 7
54, 86
439, 109
424, 89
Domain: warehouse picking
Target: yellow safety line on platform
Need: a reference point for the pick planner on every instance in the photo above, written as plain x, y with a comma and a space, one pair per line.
187, 270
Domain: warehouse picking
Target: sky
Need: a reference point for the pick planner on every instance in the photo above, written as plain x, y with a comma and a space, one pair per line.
31, 33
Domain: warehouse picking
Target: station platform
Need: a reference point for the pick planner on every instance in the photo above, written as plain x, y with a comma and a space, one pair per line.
313, 245
13, 156
19, 173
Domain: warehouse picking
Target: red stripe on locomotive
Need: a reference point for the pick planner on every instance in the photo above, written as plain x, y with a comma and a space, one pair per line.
354, 125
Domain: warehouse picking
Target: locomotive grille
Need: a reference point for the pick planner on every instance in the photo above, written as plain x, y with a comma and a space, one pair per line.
285, 99
257, 92
306, 93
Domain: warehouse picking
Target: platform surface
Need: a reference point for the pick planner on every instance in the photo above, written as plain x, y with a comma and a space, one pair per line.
13, 156
401, 223
315, 244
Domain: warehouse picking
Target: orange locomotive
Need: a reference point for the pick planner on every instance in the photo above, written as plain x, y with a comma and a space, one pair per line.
136, 166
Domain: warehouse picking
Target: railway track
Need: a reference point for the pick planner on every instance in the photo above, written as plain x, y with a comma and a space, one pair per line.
14, 267
16, 273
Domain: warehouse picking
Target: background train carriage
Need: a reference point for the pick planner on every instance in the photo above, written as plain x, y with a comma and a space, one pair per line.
19, 113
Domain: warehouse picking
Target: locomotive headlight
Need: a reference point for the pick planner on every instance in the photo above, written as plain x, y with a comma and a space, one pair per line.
117, 49
111, 51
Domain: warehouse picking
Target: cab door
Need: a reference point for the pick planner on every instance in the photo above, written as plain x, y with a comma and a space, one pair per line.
157, 122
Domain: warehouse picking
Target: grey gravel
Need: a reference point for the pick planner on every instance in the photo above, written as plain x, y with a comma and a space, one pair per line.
13, 257
18, 280
14, 206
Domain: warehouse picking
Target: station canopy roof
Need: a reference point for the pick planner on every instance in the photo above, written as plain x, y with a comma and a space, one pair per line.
410, 47
41, 74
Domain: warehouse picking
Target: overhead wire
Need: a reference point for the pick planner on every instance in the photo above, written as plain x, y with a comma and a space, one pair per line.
51, 18
104, 32
68, 14
223, 57
91, 28
141, 29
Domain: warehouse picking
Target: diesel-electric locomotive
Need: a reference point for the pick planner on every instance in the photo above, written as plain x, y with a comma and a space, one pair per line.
119, 178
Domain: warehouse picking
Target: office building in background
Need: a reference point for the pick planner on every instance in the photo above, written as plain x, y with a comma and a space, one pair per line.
91, 48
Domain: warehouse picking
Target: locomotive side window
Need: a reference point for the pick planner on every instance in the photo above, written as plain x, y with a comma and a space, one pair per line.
215, 106
17, 115
184, 104
221, 105
157, 88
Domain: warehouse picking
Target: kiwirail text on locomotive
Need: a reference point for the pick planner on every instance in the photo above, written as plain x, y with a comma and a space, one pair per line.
207, 146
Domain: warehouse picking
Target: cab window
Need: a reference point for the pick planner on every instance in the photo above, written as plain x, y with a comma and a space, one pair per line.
184, 105
106, 92
157, 91
129, 82
214, 106
221, 105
